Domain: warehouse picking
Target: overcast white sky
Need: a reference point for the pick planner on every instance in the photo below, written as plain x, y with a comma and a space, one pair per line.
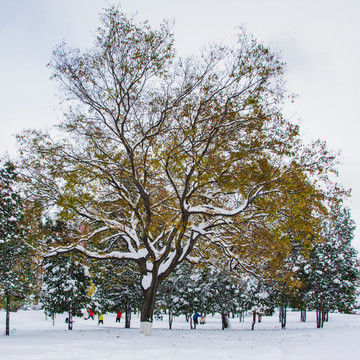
319, 40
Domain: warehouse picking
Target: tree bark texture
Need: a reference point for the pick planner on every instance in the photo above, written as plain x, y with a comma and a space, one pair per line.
282, 316
224, 321
127, 316
253, 321
191, 322
70, 323
149, 301
241, 316
7, 325
320, 316
303, 316
170, 319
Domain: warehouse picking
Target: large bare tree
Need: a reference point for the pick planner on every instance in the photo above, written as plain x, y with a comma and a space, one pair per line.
160, 155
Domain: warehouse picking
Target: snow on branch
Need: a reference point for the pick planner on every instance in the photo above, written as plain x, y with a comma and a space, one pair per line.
211, 210
139, 254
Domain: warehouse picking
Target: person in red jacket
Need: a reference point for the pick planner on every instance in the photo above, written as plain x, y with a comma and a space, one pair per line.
118, 316
91, 314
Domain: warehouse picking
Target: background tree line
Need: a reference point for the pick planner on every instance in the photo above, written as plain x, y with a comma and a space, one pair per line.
324, 280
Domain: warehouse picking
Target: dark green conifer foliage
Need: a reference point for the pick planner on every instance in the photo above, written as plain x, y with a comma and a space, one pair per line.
15, 256
332, 272
65, 288
117, 287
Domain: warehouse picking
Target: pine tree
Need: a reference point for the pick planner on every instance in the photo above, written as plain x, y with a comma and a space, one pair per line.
222, 294
204, 289
332, 272
287, 284
15, 255
258, 298
117, 287
65, 287
170, 293
184, 292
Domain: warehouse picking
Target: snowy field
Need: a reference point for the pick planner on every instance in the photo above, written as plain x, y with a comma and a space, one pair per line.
33, 337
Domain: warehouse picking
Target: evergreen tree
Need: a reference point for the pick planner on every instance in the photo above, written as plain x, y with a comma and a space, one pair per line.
183, 292
170, 293
332, 272
204, 289
223, 295
117, 287
65, 287
288, 288
258, 298
15, 255
298, 295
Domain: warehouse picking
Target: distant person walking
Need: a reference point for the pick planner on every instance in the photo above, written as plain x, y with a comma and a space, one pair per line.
195, 318
101, 319
91, 314
118, 316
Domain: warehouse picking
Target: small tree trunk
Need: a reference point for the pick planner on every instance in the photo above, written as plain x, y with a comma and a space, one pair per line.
70, 323
7, 325
282, 316
318, 322
191, 323
323, 317
303, 316
320, 317
253, 321
170, 319
127, 316
53, 319
224, 321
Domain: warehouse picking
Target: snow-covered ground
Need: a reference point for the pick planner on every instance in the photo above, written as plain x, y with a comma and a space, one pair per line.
33, 337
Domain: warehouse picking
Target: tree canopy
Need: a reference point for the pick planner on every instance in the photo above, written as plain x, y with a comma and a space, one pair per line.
16, 277
165, 158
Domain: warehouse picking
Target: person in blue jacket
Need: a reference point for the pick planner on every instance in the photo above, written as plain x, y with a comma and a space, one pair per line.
195, 318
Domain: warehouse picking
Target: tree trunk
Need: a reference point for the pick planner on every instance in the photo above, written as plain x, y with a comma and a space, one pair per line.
70, 323
241, 316
7, 325
191, 323
320, 317
323, 317
303, 316
259, 318
147, 311
282, 316
127, 316
224, 321
170, 319
254, 320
